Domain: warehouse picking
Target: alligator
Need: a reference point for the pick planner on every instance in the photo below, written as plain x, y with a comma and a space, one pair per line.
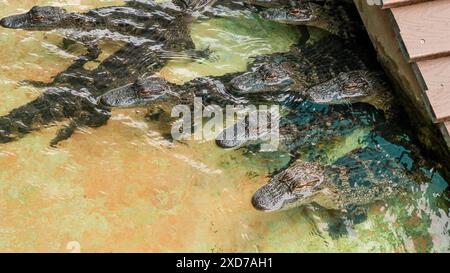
136, 22
352, 87
156, 92
304, 125
318, 72
337, 17
55, 104
128, 64
348, 186
305, 65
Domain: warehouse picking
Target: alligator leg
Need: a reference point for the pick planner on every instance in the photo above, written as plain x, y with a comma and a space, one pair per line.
85, 119
75, 68
64, 133
56, 104
342, 224
93, 51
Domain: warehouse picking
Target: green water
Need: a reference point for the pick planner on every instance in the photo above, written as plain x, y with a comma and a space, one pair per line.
123, 187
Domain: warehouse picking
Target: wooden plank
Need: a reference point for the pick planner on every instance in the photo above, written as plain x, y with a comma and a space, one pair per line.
397, 3
435, 73
440, 102
424, 29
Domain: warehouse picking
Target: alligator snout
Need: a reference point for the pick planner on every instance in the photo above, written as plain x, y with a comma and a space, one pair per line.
15, 21
4, 22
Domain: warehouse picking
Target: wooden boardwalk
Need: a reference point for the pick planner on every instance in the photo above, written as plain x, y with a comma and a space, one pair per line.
423, 33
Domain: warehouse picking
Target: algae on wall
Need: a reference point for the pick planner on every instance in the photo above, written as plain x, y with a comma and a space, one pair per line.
406, 86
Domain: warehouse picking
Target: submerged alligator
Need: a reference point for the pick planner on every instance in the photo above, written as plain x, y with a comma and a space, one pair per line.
328, 71
136, 22
354, 86
337, 17
305, 125
156, 34
128, 64
321, 72
156, 92
350, 185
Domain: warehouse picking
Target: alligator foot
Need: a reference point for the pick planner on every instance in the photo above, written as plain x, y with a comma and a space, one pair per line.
64, 133
93, 52
202, 55
93, 119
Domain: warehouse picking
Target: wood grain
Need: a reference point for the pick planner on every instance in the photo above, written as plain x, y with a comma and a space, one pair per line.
435, 73
440, 102
396, 3
425, 29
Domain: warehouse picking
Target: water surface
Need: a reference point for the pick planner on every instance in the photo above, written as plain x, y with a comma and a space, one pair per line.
123, 187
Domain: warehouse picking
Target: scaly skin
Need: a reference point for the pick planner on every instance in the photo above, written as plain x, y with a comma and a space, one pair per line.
128, 64
355, 180
157, 92
304, 66
136, 23
56, 104
337, 17
352, 87
304, 126
329, 71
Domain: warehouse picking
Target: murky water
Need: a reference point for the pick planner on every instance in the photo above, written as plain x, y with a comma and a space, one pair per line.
123, 187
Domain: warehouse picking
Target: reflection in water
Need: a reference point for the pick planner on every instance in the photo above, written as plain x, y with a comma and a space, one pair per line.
124, 187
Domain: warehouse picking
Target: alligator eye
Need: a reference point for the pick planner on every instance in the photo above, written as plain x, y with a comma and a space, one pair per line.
354, 86
38, 17
351, 86
301, 186
271, 77
297, 11
145, 92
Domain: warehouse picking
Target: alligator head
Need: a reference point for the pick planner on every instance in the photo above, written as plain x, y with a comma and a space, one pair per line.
351, 87
267, 77
246, 131
300, 184
37, 18
140, 93
302, 13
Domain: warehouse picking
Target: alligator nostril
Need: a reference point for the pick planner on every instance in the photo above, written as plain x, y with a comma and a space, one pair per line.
258, 204
3, 22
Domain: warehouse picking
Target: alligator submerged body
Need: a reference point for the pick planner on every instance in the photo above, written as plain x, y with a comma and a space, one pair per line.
154, 32
328, 71
337, 17
306, 125
386, 168
131, 62
136, 22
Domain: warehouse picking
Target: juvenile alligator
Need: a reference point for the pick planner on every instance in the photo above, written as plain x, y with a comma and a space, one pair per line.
319, 72
305, 125
136, 22
355, 86
155, 92
55, 104
350, 185
337, 17
128, 64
